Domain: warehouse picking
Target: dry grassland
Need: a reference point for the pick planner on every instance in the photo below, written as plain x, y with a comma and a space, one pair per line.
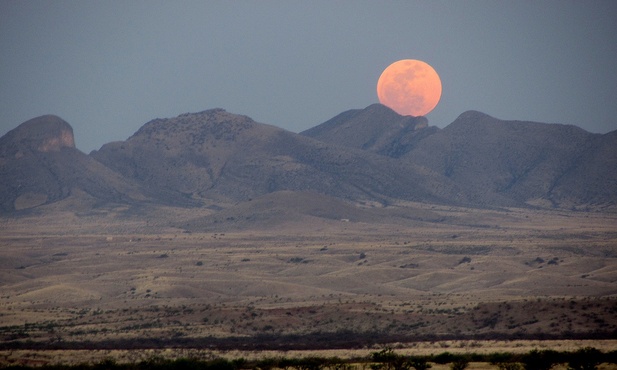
116, 276
75, 357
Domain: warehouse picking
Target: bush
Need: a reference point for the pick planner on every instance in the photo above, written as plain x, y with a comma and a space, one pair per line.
419, 363
445, 358
310, 363
460, 364
501, 358
540, 360
585, 359
509, 366
387, 359
267, 363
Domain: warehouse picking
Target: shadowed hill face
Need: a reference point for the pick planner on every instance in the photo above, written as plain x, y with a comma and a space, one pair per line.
375, 155
592, 178
25, 155
44, 134
189, 153
39, 164
222, 156
491, 161
376, 128
522, 161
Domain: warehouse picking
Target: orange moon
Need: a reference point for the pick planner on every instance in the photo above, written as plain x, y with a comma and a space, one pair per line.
409, 87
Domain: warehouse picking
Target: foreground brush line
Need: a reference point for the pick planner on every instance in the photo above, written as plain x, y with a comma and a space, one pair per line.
387, 359
307, 325
313, 341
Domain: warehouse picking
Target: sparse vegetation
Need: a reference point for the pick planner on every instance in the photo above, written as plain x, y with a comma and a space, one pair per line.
260, 290
385, 359
459, 364
587, 358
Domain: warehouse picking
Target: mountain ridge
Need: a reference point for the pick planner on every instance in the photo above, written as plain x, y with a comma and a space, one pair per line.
215, 159
519, 159
376, 128
223, 156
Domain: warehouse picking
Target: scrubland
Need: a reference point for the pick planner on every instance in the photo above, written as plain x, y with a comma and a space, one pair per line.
115, 284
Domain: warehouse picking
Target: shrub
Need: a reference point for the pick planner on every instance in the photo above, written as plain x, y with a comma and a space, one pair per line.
445, 358
460, 364
540, 360
267, 363
419, 363
387, 359
509, 366
501, 358
585, 359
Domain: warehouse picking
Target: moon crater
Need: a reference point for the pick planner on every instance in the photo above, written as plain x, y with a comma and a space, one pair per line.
409, 87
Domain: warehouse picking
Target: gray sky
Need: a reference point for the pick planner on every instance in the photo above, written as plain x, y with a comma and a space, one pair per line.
108, 67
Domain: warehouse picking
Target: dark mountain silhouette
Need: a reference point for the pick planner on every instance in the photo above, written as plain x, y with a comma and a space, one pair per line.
592, 177
39, 164
376, 128
494, 162
366, 156
41, 134
522, 162
220, 156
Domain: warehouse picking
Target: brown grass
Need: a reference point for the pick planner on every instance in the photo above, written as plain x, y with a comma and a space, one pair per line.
113, 275
75, 357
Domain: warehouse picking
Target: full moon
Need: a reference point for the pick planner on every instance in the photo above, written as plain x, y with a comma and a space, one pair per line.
409, 87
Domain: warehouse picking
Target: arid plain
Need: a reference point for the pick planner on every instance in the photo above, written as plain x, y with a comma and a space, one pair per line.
211, 233
117, 279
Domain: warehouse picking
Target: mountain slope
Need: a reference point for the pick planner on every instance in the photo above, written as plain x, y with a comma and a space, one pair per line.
375, 128
492, 162
494, 159
39, 164
218, 159
592, 178
220, 156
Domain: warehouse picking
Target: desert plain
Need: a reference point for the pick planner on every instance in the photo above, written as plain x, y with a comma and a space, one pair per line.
448, 278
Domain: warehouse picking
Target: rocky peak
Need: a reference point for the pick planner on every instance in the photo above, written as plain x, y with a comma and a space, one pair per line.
217, 123
46, 133
471, 116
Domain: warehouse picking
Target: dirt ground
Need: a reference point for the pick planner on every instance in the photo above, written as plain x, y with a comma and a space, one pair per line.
492, 274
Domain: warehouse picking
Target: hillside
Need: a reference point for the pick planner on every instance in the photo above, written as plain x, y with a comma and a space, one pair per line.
522, 162
222, 157
376, 128
216, 159
39, 165
215, 231
493, 162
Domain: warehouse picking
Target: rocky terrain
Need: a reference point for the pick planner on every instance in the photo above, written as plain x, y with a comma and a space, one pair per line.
370, 156
210, 229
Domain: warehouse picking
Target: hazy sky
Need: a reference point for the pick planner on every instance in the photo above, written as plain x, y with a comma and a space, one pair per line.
108, 67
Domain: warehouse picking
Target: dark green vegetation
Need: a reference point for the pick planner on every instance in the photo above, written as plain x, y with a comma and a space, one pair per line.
17, 338
387, 359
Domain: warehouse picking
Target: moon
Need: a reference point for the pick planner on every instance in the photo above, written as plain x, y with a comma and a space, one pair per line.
409, 87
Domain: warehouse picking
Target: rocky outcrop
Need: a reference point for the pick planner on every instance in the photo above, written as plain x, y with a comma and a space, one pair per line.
47, 133
375, 128
372, 155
